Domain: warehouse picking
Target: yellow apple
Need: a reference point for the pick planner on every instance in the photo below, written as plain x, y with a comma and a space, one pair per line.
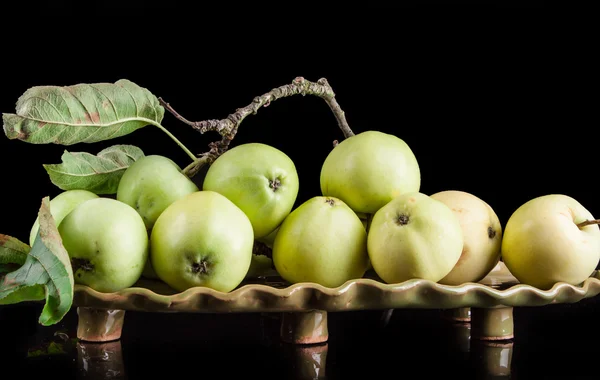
414, 236
482, 235
543, 244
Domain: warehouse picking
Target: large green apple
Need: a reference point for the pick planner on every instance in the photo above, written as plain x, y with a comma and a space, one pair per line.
151, 184
414, 236
482, 234
259, 179
322, 241
369, 169
202, 239
543, 245
107, 243
60, 206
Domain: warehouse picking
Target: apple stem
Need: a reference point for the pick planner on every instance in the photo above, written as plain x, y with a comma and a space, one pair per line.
185, 149
588, 223
228, 127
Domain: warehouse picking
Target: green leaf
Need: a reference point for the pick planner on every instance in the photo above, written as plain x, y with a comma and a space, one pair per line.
46, 273
99, 174
81, 113
13, 253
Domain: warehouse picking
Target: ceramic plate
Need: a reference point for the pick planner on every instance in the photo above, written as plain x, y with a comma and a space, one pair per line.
272, 294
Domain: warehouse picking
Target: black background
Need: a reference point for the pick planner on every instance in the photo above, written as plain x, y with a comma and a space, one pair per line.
494, 101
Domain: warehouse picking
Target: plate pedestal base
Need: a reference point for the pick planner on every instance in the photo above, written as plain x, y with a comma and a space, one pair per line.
492, 323
461, 314
308, 327
99, 325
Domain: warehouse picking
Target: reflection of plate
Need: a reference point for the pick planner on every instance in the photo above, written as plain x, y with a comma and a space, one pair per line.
273, 294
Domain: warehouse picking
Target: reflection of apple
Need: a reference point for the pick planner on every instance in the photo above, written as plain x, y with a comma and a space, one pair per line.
107, 243
202, 239
60, 206
260, 179
414, 236
322, 241
369, 169
482, 235
151, 184
543, 245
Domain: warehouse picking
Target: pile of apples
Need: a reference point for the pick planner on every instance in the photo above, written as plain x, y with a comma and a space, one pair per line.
370, 215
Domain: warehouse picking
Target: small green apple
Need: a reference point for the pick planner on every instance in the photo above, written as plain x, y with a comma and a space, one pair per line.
543, 245
60, 206
414, 236
151, 184
202, 239
260, 266
367, 170
482, 234
107, 243
322, 241
259, 179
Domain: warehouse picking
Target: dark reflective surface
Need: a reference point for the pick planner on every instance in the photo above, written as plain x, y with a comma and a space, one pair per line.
554, 342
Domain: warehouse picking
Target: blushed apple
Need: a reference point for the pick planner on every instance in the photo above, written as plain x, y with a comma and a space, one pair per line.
258, 178
107, 243
322, 241
543, 244
482, 235
414, 237
368, 170
151, 184
60, 206
202, 239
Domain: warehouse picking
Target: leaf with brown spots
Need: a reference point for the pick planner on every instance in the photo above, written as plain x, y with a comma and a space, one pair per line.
13, 253
46, 273
85, 113
99, 173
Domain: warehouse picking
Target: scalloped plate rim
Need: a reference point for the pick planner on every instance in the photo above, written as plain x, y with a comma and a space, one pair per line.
450, 290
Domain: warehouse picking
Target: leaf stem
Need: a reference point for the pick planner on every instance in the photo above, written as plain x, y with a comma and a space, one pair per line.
588, 223
228, 127
185, 149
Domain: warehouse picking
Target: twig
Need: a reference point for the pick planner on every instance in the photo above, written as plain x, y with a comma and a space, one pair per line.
228, 127
588, 223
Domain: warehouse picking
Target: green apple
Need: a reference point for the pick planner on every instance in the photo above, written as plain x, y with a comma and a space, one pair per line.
364, 218
107, 243
60, 206
367, 170
482, 235
151, 184
259, 179
202, 239
366, 221
322, 241
148, 271
270, 238
260, 266
414, 237
543, 245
